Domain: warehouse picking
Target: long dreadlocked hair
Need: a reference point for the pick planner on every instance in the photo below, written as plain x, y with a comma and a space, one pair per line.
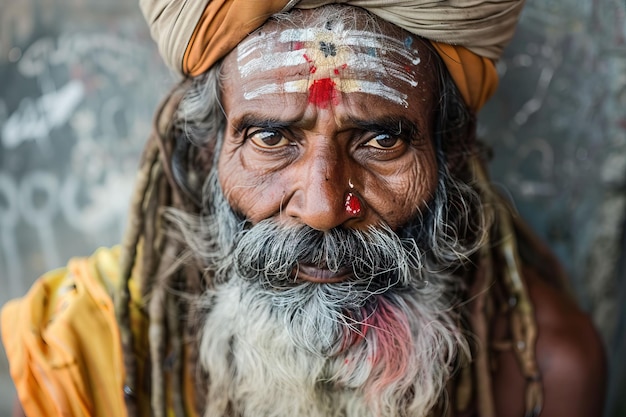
167, 179
181, 150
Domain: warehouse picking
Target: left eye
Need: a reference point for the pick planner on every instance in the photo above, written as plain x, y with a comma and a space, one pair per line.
268, 139
384, 141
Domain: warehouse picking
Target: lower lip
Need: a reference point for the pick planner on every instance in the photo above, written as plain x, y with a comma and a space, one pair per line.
317, 275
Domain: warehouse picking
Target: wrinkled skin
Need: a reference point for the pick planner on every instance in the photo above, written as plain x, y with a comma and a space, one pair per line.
294, 156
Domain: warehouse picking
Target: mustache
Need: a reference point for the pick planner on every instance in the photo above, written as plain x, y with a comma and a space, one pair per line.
376, 257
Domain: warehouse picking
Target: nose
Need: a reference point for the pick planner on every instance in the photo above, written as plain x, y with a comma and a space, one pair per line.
322, 199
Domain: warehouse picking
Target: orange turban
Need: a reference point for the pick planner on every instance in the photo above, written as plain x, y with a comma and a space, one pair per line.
469, 35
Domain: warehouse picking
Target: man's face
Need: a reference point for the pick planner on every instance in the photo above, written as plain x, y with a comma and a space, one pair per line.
321, 116
315, 287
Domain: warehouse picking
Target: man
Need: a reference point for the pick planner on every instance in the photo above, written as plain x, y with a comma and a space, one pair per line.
313, 234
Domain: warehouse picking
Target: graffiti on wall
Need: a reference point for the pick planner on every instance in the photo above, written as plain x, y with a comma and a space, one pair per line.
75, 107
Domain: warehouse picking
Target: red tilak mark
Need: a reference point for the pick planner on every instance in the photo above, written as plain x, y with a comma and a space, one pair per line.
353, 205
312, 67
298, 45
322, 92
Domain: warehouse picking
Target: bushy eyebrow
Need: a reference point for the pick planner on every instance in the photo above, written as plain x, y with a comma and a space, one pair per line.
256, 120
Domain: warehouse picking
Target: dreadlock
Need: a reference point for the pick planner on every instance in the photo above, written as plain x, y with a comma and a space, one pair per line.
166, 179
181, 150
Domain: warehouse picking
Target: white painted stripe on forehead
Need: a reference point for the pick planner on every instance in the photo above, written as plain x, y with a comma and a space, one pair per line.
354, 38
376, 88
364, 55
360, 61
384, 43
250, 45
275, 60
346, 86
382, 67
299, 86
272, 61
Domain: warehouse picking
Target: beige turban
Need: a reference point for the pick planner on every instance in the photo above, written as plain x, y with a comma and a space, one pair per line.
468, 34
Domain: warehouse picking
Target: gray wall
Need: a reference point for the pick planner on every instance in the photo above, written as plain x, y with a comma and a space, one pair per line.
80, 79
558, 127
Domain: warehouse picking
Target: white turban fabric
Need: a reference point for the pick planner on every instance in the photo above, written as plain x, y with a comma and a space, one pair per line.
483, 27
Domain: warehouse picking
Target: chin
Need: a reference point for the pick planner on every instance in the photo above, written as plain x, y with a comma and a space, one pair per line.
328, 349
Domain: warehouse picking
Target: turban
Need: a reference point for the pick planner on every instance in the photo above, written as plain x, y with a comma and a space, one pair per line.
469, 35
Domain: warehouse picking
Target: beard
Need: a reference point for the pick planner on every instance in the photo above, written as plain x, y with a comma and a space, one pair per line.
382, 343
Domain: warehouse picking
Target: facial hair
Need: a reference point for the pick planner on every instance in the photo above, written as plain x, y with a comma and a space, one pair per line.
382, 343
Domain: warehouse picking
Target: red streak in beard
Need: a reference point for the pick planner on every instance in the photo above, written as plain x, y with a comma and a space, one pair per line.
322, 92
391, 341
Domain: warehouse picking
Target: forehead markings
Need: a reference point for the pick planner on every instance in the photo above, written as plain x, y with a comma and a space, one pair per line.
328, 54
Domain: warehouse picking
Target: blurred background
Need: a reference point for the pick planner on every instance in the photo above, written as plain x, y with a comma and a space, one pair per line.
80, 80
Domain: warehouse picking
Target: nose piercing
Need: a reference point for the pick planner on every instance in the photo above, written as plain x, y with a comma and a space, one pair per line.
353, 204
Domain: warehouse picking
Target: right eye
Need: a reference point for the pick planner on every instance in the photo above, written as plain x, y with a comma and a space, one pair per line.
268, 138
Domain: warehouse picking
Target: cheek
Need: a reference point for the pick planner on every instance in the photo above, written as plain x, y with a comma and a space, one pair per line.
250, 192
400, 195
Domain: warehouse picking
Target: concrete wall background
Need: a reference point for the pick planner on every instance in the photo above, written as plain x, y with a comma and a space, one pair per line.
558, 127
80, 79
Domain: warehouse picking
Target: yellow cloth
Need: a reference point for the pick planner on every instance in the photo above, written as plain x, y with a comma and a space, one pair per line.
63, 342
468, 34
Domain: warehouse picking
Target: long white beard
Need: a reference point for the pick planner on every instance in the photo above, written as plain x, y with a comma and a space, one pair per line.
269, 354
382, 343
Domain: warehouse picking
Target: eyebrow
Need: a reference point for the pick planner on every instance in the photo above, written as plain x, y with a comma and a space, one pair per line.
256, 120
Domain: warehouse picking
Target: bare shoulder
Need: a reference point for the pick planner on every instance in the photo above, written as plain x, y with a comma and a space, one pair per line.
570, 353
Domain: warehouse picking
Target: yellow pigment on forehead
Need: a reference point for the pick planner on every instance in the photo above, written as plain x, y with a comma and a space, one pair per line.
338, 60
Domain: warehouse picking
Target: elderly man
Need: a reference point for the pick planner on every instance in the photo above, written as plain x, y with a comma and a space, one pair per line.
313, 234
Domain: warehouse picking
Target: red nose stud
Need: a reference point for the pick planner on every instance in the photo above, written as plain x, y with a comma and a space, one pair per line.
352, 204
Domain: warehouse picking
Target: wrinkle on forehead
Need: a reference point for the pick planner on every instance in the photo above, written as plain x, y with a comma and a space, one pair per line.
344, 60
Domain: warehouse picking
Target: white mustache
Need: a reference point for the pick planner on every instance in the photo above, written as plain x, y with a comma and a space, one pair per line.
376, 257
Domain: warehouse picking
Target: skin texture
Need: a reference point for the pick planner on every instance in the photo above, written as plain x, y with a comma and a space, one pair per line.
325, 143
570, 356
296, 155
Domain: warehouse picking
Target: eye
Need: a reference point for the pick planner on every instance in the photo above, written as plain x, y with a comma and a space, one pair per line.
385, 141
267, 138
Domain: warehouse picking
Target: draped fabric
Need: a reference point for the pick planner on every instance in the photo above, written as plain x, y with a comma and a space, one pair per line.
483, 27
63, 341
469, 34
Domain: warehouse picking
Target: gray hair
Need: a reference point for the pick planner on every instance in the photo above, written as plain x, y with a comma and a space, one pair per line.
453, 225
433, 246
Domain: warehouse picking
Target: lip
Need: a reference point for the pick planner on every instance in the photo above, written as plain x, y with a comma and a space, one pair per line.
313, 273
